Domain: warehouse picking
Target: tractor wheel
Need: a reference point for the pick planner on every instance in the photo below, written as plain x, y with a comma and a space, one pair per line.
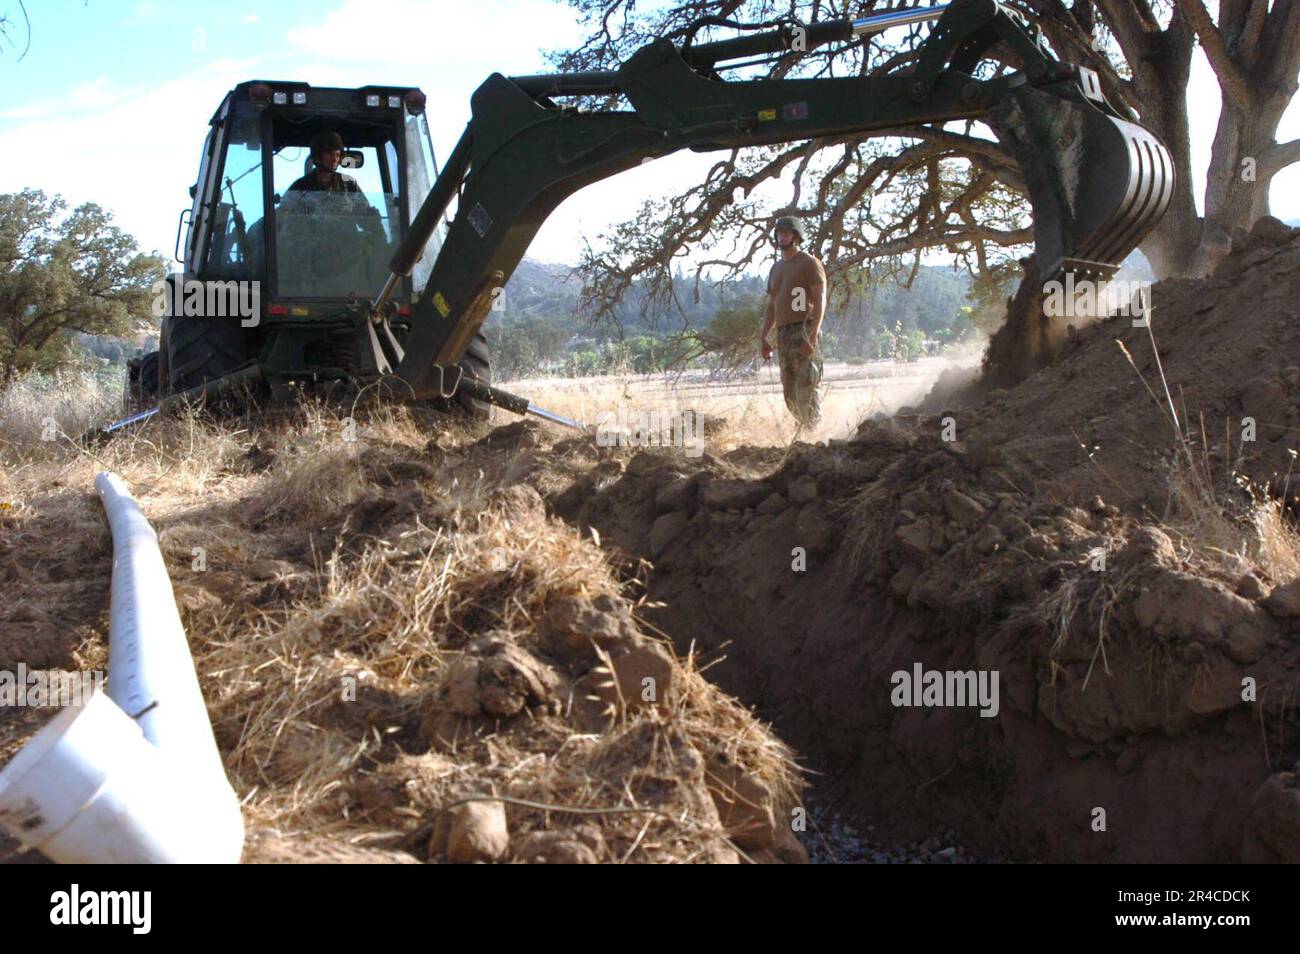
149, 378
477, 363
201, 350
142, 393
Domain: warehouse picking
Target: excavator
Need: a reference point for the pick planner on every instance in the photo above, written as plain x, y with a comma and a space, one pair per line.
385, 289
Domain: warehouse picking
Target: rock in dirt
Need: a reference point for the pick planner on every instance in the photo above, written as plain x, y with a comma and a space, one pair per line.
644, 675
1250, 586
583, 845
517, 499
573, 624
725, 494
263, 570
517, 434
963, 508
641, 676
676, 494
497, 678
1187, 607
915, 538
1284, 601
665, 530
1275, 821
478, 833
744, 802
1149, 543
803, 490
1270, 230
814, 531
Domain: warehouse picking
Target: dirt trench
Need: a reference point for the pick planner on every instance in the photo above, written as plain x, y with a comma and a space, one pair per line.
1050, 533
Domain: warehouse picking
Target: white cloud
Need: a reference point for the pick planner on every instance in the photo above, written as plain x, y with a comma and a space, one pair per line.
443, 37
94, 95
30, 111
136, 155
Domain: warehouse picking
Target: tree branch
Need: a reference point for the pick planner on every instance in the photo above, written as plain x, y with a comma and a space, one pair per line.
911, 243
1132, 31
1231, 78
1277, 157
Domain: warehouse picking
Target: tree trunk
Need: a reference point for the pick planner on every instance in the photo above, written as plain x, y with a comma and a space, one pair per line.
1255, 55
1160, 75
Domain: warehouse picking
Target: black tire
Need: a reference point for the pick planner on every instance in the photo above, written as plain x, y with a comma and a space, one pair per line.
201, 350
148, 383
477, 363
141, 384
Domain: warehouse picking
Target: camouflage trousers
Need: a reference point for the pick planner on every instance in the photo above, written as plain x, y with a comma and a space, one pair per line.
800, 373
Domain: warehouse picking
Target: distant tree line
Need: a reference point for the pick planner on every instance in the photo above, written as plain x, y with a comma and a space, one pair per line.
537, 328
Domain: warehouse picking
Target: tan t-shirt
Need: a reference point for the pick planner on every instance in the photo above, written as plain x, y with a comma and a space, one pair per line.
797, 287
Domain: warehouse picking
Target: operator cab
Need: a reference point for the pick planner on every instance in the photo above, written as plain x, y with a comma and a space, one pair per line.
305, 245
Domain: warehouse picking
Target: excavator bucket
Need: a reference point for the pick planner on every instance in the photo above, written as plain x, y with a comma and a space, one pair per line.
1098, 184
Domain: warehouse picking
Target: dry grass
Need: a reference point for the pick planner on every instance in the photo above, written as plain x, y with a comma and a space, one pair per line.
748, 412
1224, 523
306, 593
46, 408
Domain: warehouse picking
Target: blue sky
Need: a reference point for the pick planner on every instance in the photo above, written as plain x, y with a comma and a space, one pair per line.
111, 102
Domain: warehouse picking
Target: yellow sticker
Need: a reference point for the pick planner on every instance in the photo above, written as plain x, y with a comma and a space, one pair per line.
440, 303
299, 311
766, 115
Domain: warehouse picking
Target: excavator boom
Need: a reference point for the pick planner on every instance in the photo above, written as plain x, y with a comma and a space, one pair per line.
1097, 181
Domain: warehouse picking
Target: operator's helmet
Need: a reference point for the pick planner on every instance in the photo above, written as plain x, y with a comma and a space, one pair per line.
791, 223
325, 142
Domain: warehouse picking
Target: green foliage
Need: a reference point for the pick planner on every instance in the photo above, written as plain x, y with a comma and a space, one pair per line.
525, 345
65, 273
537, 332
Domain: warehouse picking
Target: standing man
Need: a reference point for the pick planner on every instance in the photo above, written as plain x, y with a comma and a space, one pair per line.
796, 304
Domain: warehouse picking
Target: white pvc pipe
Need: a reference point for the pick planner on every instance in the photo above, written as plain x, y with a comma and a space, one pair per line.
134, 775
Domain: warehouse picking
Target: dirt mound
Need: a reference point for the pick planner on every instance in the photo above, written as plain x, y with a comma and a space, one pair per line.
399, 667
1098, 422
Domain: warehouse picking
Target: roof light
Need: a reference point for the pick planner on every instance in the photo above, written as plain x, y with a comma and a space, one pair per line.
277, 310
372, 99
299, 98
260, 94
279, 97
394, 102
415, 102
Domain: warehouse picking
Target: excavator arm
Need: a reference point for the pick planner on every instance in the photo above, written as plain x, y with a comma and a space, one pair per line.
1097, 181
